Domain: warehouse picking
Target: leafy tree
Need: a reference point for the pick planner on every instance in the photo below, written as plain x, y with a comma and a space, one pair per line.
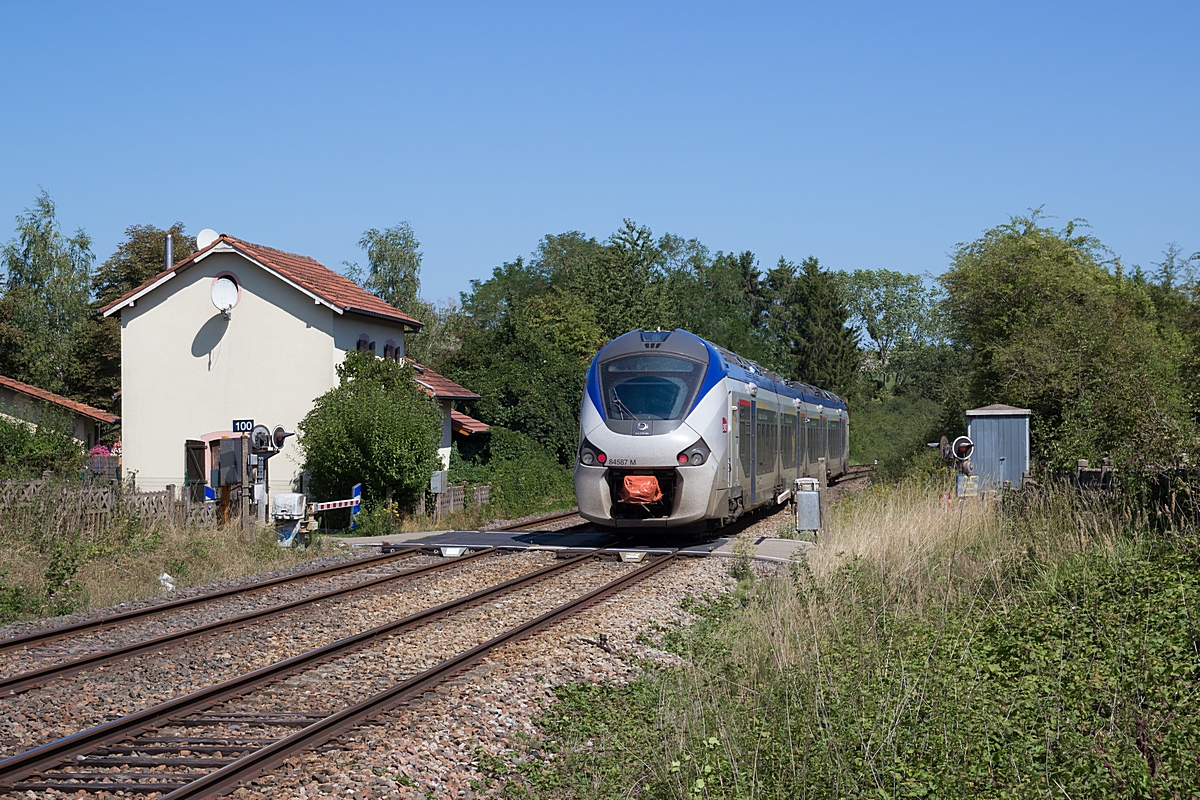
1050, 328
138, 259
899, 316
529, 366
376, 428
622, 280
46, 292
393, 266
722, 299
26, 451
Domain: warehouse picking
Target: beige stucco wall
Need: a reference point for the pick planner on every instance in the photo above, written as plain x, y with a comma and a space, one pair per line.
20, 407
186, 371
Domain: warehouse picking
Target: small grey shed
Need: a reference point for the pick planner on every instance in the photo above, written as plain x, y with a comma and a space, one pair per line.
1001, 437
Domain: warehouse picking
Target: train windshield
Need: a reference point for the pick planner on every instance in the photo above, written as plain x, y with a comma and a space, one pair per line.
649, 387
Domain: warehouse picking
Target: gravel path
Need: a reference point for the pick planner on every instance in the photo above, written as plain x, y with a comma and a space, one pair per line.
431, 747
89, 698
140, 630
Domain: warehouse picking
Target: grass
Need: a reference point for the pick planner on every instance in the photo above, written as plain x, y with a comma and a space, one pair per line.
1037, 647
52, 562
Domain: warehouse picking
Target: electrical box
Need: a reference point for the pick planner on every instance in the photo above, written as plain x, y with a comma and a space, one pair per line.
439, 482
288, 505
808, 504
231, 462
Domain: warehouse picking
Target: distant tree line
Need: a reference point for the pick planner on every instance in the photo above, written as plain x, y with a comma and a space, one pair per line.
1049, 319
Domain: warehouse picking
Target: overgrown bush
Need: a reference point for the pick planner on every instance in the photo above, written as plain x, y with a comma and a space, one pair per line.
26, 451
525, 477
377, 428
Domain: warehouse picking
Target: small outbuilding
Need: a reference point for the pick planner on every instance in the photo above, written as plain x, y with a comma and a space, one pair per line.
25, 403
1001, 437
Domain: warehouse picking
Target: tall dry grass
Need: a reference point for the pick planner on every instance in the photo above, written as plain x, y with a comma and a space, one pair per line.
814, 681
55, 559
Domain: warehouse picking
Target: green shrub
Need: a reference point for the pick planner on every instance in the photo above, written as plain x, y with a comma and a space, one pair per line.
893, 431
26, 451
377, 428
525, 477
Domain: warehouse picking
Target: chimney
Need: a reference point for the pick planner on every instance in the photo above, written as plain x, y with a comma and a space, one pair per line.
170, 251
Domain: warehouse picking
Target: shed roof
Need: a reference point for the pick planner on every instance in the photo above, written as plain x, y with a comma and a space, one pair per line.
83, 409
998, 410
306, 274
461, 423
440, 386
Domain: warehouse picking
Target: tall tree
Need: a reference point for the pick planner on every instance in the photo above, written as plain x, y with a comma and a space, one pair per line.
138, 259
899, 316
823, 348
46, 292
393, 266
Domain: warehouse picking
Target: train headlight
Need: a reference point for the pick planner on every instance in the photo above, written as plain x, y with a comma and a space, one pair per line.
590, 455
695, 455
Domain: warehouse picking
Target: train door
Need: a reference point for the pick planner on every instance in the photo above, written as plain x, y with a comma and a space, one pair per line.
825, 440
787, 447
744, 444
802, 445
766, 438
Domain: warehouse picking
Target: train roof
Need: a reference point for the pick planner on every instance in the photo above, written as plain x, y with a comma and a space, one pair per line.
722, 363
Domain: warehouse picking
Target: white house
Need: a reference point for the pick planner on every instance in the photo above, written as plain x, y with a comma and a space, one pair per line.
188, 370
23, 402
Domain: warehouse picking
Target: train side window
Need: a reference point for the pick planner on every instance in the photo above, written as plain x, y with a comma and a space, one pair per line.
744, 436
768, 440
788, 444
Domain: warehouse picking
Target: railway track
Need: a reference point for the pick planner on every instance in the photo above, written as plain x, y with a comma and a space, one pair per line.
112, 620
205, 743
41, 656
543, 520
24, 681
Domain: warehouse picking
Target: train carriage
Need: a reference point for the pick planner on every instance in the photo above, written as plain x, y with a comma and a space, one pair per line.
676, 431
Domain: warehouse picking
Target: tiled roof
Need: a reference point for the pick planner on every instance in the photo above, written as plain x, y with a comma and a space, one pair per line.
440, 386
461, 423
307, 273
57, 399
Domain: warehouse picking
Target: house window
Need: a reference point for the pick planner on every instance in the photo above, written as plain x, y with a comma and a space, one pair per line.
389, 350
362, 342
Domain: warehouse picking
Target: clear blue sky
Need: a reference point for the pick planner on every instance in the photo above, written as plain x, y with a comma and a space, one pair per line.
869, 135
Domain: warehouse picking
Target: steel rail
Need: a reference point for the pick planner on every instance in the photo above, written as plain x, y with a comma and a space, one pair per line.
113, 620
21, 765
520, 526
27, 680
221, 781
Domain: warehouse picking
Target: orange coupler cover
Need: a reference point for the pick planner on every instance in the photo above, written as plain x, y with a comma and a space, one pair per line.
640, 489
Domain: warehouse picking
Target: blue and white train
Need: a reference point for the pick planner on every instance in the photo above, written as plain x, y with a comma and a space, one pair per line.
676, 431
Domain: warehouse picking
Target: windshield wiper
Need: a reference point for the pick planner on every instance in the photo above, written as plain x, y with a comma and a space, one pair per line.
617, 404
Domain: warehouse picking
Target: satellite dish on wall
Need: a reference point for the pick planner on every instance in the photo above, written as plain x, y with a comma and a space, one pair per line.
206, 237
224, 293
